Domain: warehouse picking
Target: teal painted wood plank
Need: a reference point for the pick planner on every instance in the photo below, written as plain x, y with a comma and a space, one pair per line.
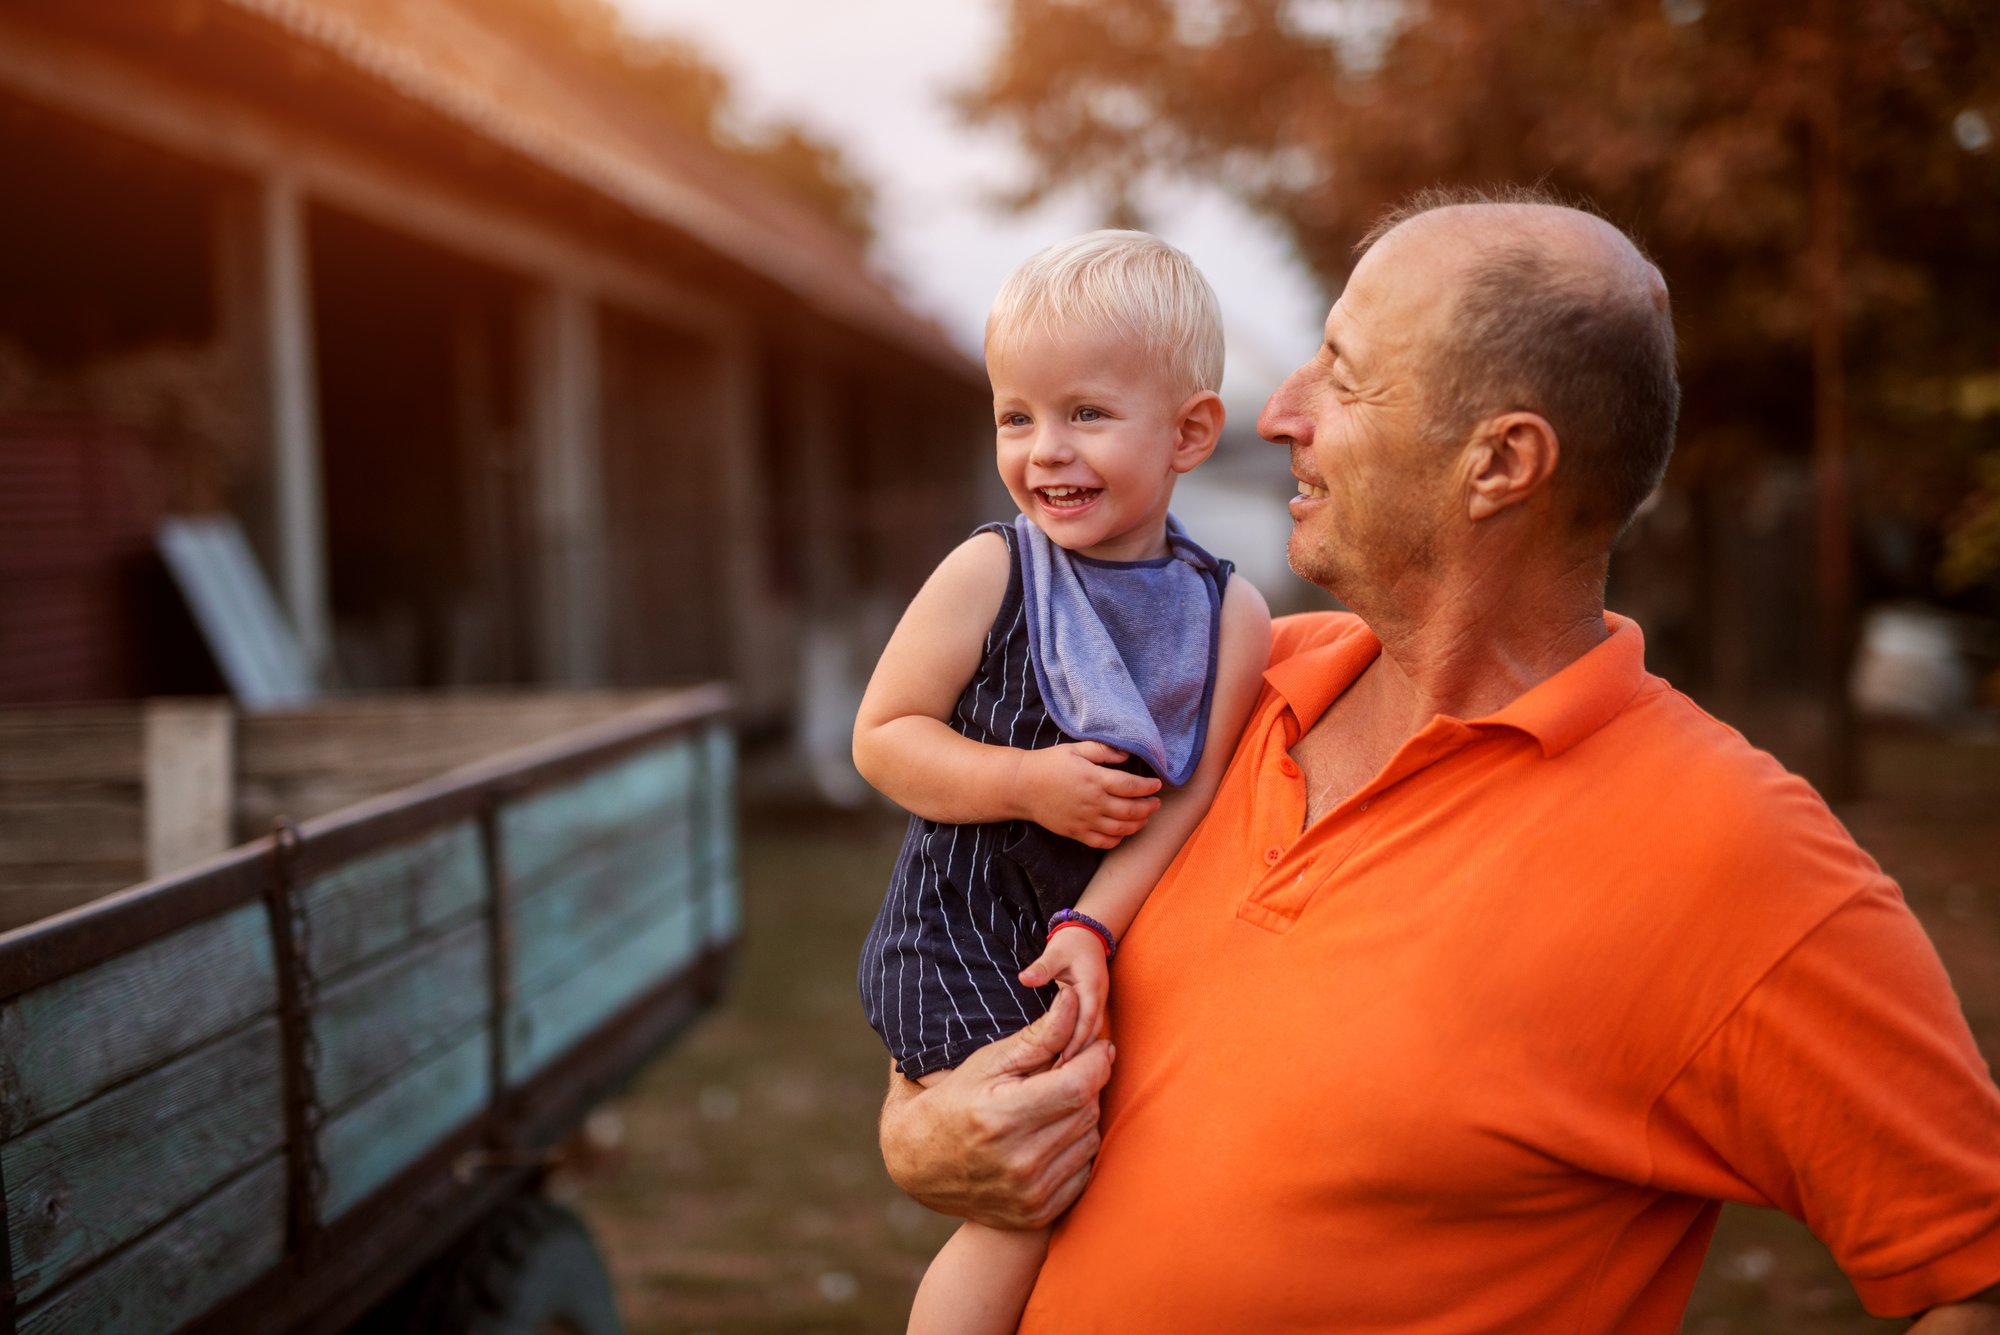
675, 832
178, 1271
541, 832
724, 909
383, 1018
90, 1181
374, 1140
62, 1043
374, 903
600, 894
540, 1027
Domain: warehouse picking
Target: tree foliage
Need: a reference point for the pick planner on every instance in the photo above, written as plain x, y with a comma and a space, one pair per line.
672, 78
1691, 124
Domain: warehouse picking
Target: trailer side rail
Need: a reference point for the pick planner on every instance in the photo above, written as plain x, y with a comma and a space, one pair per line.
254, 1095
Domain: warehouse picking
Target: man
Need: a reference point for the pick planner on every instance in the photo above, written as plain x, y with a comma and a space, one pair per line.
1496, 964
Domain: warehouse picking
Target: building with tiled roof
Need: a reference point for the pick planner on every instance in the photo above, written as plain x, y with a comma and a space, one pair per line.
505, 379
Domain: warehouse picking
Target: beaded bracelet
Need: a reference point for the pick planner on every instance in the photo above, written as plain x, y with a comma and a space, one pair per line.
1062, 918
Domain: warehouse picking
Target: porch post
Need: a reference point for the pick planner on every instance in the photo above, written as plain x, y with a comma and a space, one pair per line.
571, 635
756, 658
299, 498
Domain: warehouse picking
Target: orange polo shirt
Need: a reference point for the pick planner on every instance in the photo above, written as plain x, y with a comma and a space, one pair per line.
1481, 1050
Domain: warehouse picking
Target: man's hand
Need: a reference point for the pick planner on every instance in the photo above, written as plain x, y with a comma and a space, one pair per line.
1005, 1139
1075, 959
1072, 790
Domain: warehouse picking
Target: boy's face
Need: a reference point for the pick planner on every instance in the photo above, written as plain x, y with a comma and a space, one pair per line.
1090, 438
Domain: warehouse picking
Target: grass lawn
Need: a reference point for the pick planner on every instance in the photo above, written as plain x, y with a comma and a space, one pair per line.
750, 1197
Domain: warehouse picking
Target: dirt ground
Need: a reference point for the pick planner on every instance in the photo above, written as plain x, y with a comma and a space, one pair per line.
749, 1197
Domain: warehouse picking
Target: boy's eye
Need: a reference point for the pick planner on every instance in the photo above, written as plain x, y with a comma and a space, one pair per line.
1013, 419
1088, 414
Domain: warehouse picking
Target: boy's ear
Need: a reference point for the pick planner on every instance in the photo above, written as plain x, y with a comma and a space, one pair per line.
1196, 430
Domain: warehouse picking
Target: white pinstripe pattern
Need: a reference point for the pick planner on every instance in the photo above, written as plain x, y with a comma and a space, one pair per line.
946, 960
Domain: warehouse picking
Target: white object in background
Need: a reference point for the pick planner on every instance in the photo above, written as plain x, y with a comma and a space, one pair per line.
830, 686
252, 642
1909, 665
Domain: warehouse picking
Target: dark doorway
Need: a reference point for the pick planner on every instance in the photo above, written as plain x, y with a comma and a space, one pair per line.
418, 354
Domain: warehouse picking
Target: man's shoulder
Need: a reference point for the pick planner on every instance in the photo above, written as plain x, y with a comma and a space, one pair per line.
1303, 631
1721, 793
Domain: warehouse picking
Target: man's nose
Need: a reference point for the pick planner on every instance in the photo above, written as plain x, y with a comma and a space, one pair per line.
1280, 422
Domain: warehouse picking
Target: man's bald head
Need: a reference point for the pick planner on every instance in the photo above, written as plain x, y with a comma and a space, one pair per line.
1553, 311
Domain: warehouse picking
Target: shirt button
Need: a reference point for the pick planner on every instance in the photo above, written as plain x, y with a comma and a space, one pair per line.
1288, 769
1271, 855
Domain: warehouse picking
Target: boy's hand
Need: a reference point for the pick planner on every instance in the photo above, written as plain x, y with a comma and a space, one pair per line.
1075, 959
1072, 790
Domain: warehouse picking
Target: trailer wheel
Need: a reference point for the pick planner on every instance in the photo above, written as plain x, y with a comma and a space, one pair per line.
529, 1268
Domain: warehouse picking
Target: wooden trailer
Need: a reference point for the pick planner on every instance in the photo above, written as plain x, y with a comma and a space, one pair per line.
263, 1092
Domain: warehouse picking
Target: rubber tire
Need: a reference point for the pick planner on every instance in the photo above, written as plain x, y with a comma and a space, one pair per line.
529, 1268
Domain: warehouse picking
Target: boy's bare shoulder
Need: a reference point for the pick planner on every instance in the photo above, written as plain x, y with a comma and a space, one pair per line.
969, 585
1244, 611
978, 565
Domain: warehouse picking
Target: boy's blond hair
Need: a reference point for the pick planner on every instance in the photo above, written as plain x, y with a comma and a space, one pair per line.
1125, 283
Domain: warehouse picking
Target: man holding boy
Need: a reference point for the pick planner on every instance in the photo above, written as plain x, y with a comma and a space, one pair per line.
1496, 965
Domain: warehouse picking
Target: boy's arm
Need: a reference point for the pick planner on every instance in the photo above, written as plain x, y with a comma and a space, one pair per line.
903, 746
1130, 871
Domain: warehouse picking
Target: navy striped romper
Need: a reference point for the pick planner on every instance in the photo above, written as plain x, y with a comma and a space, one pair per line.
968, 905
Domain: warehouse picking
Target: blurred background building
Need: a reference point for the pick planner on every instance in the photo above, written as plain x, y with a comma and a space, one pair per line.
506, 369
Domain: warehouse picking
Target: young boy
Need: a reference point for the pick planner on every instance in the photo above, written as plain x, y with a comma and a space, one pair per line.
1049, 680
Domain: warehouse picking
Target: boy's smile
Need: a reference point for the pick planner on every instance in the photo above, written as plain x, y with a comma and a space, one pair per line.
1090, 436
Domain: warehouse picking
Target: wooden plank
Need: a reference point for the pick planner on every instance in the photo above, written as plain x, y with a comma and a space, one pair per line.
545, 830
370, 1143
373, 904
241, 623
539, 1028
97, 1177
387, 1017
190, 769
94, 823
600, 896
33, 893
64, 1042
179, 1270
71, 744
306, 765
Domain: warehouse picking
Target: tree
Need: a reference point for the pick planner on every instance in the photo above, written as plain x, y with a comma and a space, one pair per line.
670, 77
1692, 125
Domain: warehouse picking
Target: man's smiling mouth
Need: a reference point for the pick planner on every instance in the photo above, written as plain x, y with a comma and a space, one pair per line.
1067, 498
1310, 491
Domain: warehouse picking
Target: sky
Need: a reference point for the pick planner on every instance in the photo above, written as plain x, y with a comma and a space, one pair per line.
872, 77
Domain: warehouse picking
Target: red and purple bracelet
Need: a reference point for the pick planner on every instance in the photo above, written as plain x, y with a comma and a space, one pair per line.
1062, 918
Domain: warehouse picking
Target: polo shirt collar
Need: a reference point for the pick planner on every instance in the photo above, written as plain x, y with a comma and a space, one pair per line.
1557, 713
1310, 681
1584, 696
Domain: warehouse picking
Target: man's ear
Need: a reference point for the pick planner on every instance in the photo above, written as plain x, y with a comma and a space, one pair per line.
1196, 429
1509, 459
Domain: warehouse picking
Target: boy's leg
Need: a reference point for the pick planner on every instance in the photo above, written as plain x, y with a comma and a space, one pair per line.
979, 1282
